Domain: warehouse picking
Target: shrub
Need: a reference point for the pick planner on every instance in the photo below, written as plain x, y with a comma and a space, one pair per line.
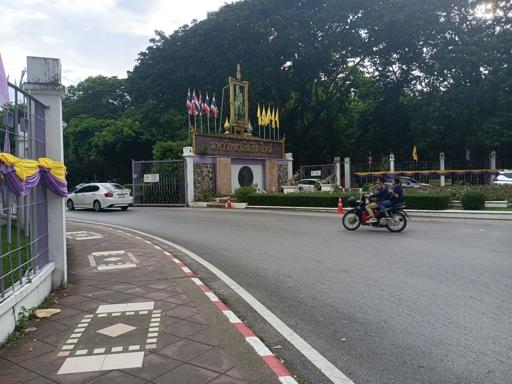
473, 200
242, 193
330, 200
434, 201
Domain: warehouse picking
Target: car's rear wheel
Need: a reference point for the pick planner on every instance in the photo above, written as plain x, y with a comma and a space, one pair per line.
96, 206
71, 205
124, 208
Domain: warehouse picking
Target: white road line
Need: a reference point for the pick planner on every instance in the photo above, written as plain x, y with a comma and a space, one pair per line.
324, 365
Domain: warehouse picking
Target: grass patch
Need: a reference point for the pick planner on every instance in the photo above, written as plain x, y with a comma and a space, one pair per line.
24, 317
11, 262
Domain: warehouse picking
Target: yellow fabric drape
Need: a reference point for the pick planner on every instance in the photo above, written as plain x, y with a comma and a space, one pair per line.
25, 168
56, 168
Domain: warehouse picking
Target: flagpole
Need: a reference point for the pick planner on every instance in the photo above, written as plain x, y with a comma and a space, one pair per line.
208, 121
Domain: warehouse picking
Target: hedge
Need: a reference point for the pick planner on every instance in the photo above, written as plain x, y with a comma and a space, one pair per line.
330, 200
473, 200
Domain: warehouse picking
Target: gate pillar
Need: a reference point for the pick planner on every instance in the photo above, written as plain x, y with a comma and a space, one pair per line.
44, 82
188, 155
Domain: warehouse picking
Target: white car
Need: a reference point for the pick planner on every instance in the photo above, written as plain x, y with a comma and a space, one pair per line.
309, 185
98, 196
503, 178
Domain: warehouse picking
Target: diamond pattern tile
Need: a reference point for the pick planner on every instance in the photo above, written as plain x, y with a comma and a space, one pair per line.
116, 330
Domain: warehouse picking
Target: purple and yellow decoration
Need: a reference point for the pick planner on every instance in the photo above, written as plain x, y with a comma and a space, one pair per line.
21, 175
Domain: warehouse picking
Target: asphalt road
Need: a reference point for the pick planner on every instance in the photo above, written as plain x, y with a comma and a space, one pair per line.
430, 305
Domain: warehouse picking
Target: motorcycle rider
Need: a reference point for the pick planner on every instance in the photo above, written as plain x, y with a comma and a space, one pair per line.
396, 197
379, 196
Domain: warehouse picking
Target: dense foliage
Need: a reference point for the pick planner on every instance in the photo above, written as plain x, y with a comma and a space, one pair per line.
348, 76
473, 200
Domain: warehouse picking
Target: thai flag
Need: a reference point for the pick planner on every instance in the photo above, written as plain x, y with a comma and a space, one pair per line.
206, 106
197, 106
213, 107
189, 102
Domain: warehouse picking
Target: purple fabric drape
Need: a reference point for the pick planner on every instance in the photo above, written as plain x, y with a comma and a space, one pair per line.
22, 188
15, 185
52, 183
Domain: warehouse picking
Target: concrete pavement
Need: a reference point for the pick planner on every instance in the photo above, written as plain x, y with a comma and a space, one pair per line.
130, 314
429, 305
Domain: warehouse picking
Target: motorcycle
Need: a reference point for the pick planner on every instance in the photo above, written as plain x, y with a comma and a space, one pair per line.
356, 215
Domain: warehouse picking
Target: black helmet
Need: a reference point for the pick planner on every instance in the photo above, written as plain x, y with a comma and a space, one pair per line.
352, 201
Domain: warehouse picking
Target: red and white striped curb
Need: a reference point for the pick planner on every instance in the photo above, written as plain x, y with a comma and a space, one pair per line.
261, 349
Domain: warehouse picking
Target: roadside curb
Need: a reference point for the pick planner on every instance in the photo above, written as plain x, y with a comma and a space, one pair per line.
250, 337
446, 214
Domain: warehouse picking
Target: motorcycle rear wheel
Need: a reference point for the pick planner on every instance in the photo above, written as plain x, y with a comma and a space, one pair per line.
351, 221
401, 222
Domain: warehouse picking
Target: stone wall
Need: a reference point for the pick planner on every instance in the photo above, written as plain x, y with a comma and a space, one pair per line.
204, 181
282, 175
223, 170
271, 176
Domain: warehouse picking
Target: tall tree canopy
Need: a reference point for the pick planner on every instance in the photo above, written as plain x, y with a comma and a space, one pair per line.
348, 76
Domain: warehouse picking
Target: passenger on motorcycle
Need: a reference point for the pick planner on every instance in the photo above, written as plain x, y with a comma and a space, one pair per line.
376, 198
396, 197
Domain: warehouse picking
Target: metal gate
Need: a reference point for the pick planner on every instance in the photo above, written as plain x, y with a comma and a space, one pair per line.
159, 183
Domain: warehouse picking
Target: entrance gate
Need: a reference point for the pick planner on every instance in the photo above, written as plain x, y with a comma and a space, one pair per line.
159, 183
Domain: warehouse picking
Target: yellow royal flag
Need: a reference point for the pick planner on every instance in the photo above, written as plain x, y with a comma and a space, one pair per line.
263, 116
259, 115
414, 154
277, 118
269, 116
273, 118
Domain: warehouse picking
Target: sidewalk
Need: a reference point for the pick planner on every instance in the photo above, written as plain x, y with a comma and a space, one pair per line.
134, 314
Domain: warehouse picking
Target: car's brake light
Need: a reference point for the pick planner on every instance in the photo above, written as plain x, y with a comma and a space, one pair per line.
109, 194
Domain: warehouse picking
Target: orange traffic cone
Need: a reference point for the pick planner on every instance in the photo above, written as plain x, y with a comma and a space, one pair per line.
340, 207
228, 204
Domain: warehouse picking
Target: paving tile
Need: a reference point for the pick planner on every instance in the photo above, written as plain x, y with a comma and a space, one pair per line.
47, 328
44, 364
158, 295
183, 328
154, 365
117, 377
75, 378
27, 348
40, 380
214, 360
204, 337
186, 374
116, 330
184, 350
71, 300
227, 380
182, 312
234, 372
197, 319
11, 373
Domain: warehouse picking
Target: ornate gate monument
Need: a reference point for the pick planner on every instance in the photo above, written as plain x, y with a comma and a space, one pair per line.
235, 155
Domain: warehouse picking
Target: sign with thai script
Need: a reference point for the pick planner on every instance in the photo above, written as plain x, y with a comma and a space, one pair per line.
218, 145
151, 178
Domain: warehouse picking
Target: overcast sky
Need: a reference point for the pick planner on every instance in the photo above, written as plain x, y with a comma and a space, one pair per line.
91, 37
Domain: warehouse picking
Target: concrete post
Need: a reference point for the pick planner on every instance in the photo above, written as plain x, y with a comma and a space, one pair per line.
188, 154
492, 165
44, 82
289, 160
392, 163
442, 168
346, 162
337, 170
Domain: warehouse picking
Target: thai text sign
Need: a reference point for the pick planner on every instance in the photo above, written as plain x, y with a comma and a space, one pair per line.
238, 147
151, 178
